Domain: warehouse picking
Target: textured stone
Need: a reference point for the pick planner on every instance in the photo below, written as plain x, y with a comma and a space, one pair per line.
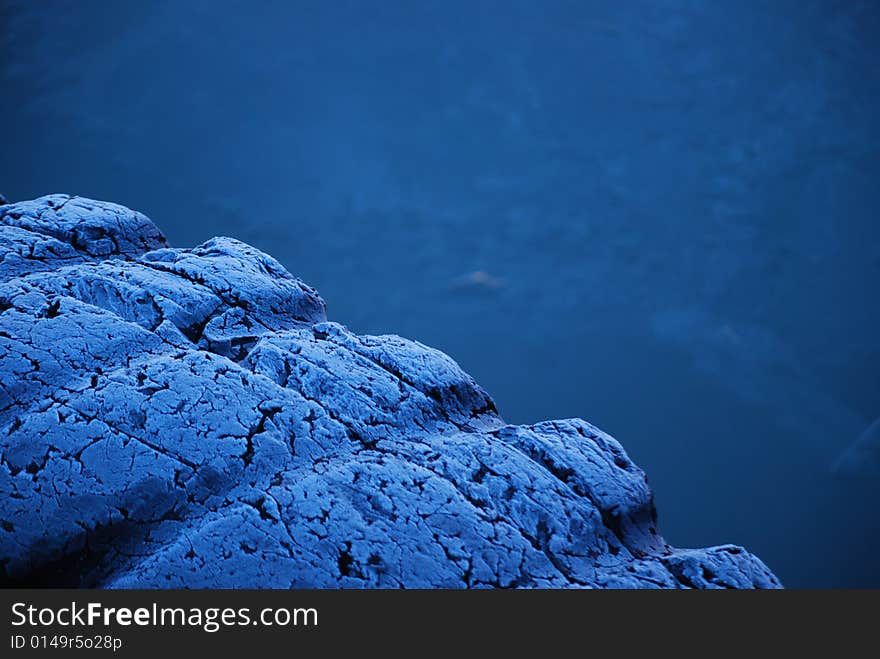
189, 418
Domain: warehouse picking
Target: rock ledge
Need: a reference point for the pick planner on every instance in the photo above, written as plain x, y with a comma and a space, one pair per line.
189, 418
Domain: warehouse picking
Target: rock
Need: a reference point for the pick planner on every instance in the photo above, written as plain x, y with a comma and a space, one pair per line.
479, 281
189, 418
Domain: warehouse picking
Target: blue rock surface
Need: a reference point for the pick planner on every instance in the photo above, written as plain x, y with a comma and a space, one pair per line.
190, 418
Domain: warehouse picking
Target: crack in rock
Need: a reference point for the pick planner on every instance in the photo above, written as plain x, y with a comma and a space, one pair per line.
190, 418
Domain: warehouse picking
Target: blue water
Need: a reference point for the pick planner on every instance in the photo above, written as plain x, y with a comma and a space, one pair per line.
659, 216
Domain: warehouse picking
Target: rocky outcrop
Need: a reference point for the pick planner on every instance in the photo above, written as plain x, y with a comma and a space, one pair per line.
189, 418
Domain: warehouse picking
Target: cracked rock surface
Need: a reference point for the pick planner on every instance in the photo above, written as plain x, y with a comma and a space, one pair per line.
189, 418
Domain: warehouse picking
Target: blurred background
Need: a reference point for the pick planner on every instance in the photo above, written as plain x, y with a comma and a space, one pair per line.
660, 216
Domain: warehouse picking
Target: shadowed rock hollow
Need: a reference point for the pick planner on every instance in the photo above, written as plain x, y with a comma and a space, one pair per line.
189, 418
